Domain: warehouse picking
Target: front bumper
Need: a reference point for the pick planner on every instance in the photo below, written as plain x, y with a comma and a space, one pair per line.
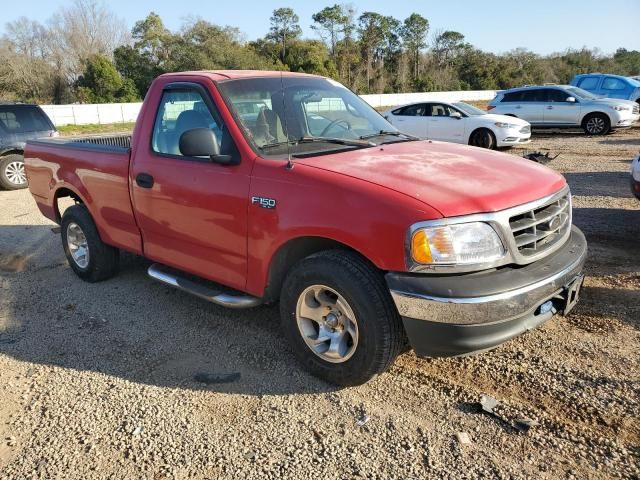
624, 119
512, 136
448, 315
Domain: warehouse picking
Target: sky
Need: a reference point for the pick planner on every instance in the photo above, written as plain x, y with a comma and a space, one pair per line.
544, 26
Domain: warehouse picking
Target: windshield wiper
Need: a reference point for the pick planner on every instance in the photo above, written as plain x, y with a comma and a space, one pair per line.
338, 141
388, 132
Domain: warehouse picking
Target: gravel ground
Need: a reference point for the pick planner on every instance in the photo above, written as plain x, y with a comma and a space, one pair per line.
97, 381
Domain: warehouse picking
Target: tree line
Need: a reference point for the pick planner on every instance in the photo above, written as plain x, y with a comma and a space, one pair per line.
85, 53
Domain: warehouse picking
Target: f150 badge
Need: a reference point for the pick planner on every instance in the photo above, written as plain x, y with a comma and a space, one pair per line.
264, 202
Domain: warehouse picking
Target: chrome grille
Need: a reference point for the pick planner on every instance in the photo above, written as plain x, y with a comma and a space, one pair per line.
636, 109
537, 230
525, 129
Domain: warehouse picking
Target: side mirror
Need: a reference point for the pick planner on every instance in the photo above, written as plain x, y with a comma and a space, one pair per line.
456, 115
571, 100
202, 142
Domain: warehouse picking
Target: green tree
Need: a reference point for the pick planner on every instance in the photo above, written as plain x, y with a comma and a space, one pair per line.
284, 28
330, 24
447, 46
627, 61
414, 34
101, 83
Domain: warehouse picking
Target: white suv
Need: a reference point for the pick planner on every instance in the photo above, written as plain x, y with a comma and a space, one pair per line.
564, 106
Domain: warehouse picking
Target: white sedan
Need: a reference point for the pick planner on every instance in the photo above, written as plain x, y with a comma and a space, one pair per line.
459, 122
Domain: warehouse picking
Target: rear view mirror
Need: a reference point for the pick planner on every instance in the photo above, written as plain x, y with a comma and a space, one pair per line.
202, 142
571, 99
456, 115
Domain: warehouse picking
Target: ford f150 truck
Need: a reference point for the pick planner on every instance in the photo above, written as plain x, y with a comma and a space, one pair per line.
249, 187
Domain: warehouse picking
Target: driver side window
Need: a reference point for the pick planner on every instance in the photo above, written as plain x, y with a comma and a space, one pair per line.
179, 111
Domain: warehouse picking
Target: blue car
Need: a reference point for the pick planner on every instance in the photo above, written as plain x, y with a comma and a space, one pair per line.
613, 86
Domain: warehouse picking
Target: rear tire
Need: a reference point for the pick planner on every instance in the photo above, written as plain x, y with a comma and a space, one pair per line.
12, 175
89, 257
337, 295
596, 124
483, 138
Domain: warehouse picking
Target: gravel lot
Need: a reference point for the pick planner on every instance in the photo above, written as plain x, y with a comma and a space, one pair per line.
97, 381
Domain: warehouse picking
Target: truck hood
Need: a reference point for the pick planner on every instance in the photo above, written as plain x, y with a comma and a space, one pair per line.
453, 179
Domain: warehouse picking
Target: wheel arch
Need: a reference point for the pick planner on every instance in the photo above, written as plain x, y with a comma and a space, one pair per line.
64, 192
294, 250
483, 127
11, 151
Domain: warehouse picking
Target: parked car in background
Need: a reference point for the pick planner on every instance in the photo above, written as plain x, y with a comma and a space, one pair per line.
19, 123
635, 177
565, 106
611, 86
369, 238
459, 122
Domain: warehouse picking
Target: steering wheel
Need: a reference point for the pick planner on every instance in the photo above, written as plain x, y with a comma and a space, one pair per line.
338, 121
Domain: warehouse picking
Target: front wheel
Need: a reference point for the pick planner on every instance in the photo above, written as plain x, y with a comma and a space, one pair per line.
339, 318
12, 174
483, 138
596, 124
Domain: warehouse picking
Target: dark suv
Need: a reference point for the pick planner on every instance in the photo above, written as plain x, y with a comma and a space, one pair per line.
18, 123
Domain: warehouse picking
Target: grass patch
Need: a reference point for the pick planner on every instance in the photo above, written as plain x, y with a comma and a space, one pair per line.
95, 129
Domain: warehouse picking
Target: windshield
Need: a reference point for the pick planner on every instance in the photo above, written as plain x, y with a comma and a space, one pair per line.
581, 94
469, 109
308, 115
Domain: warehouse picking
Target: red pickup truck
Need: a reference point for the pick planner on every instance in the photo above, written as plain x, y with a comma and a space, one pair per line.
250, 187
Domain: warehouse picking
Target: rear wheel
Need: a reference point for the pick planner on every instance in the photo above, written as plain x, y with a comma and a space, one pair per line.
483, 138
339, 318
89, 257
12, 174
596, 124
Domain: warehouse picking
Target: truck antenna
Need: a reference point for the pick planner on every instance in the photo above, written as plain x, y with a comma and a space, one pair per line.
286, 129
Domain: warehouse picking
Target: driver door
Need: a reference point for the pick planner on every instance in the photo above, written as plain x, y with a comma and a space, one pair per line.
192, 213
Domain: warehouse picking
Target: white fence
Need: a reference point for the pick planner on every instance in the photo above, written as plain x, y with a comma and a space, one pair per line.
92, 113
128, 112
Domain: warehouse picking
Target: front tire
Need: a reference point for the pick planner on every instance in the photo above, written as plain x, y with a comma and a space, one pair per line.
12, 174
89, 257
483, 138
339, 318
596, 124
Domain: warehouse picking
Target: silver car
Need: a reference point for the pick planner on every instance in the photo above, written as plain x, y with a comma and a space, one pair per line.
564, 106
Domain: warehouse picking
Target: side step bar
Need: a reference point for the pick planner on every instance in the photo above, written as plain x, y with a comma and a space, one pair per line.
211, 293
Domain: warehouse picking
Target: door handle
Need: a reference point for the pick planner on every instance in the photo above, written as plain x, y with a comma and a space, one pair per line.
549, 107
518, 106
144, 180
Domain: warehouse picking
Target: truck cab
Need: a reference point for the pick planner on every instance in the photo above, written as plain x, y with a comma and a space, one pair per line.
247, 188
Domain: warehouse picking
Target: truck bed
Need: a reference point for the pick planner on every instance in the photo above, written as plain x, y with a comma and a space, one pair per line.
95, 170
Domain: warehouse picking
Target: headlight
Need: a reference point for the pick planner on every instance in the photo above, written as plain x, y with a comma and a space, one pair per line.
505, 125
463, 244
621, 108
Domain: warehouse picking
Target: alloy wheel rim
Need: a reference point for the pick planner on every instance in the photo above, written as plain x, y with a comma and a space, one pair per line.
327, 324
15, 173
78, 246
595, 125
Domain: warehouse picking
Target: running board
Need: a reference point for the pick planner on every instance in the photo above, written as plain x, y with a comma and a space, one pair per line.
211, 293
